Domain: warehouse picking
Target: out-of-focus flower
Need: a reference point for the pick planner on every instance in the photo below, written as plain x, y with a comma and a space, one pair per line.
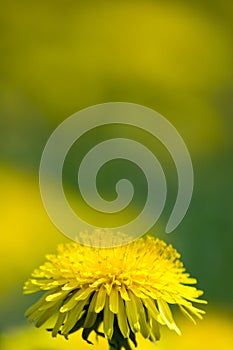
127, 288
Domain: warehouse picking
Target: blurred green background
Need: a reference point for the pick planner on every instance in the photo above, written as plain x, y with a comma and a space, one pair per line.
176, 57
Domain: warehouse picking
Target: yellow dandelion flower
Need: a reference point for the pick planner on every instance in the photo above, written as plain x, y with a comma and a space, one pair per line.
125, 290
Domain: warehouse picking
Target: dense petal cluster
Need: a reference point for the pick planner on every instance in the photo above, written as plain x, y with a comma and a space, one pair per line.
124, 290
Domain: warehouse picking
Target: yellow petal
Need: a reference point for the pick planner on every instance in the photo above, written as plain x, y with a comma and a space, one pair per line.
70, 286
46, 315
84, 293
155, 333
124, 293
122, 319
91, 315
187, 314
100, 300
113, 300
195, 311
144, 327
56, 296
150, 305
108, 320
138, 292
199, 301
47, 305
70, 303
73, 316
58, 324
167, 315
132, 314
37, 305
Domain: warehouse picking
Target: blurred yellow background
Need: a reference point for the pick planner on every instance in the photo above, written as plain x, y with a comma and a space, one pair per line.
176, 57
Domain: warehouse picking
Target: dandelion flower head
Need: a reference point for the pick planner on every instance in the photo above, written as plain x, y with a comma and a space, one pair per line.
114, 292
